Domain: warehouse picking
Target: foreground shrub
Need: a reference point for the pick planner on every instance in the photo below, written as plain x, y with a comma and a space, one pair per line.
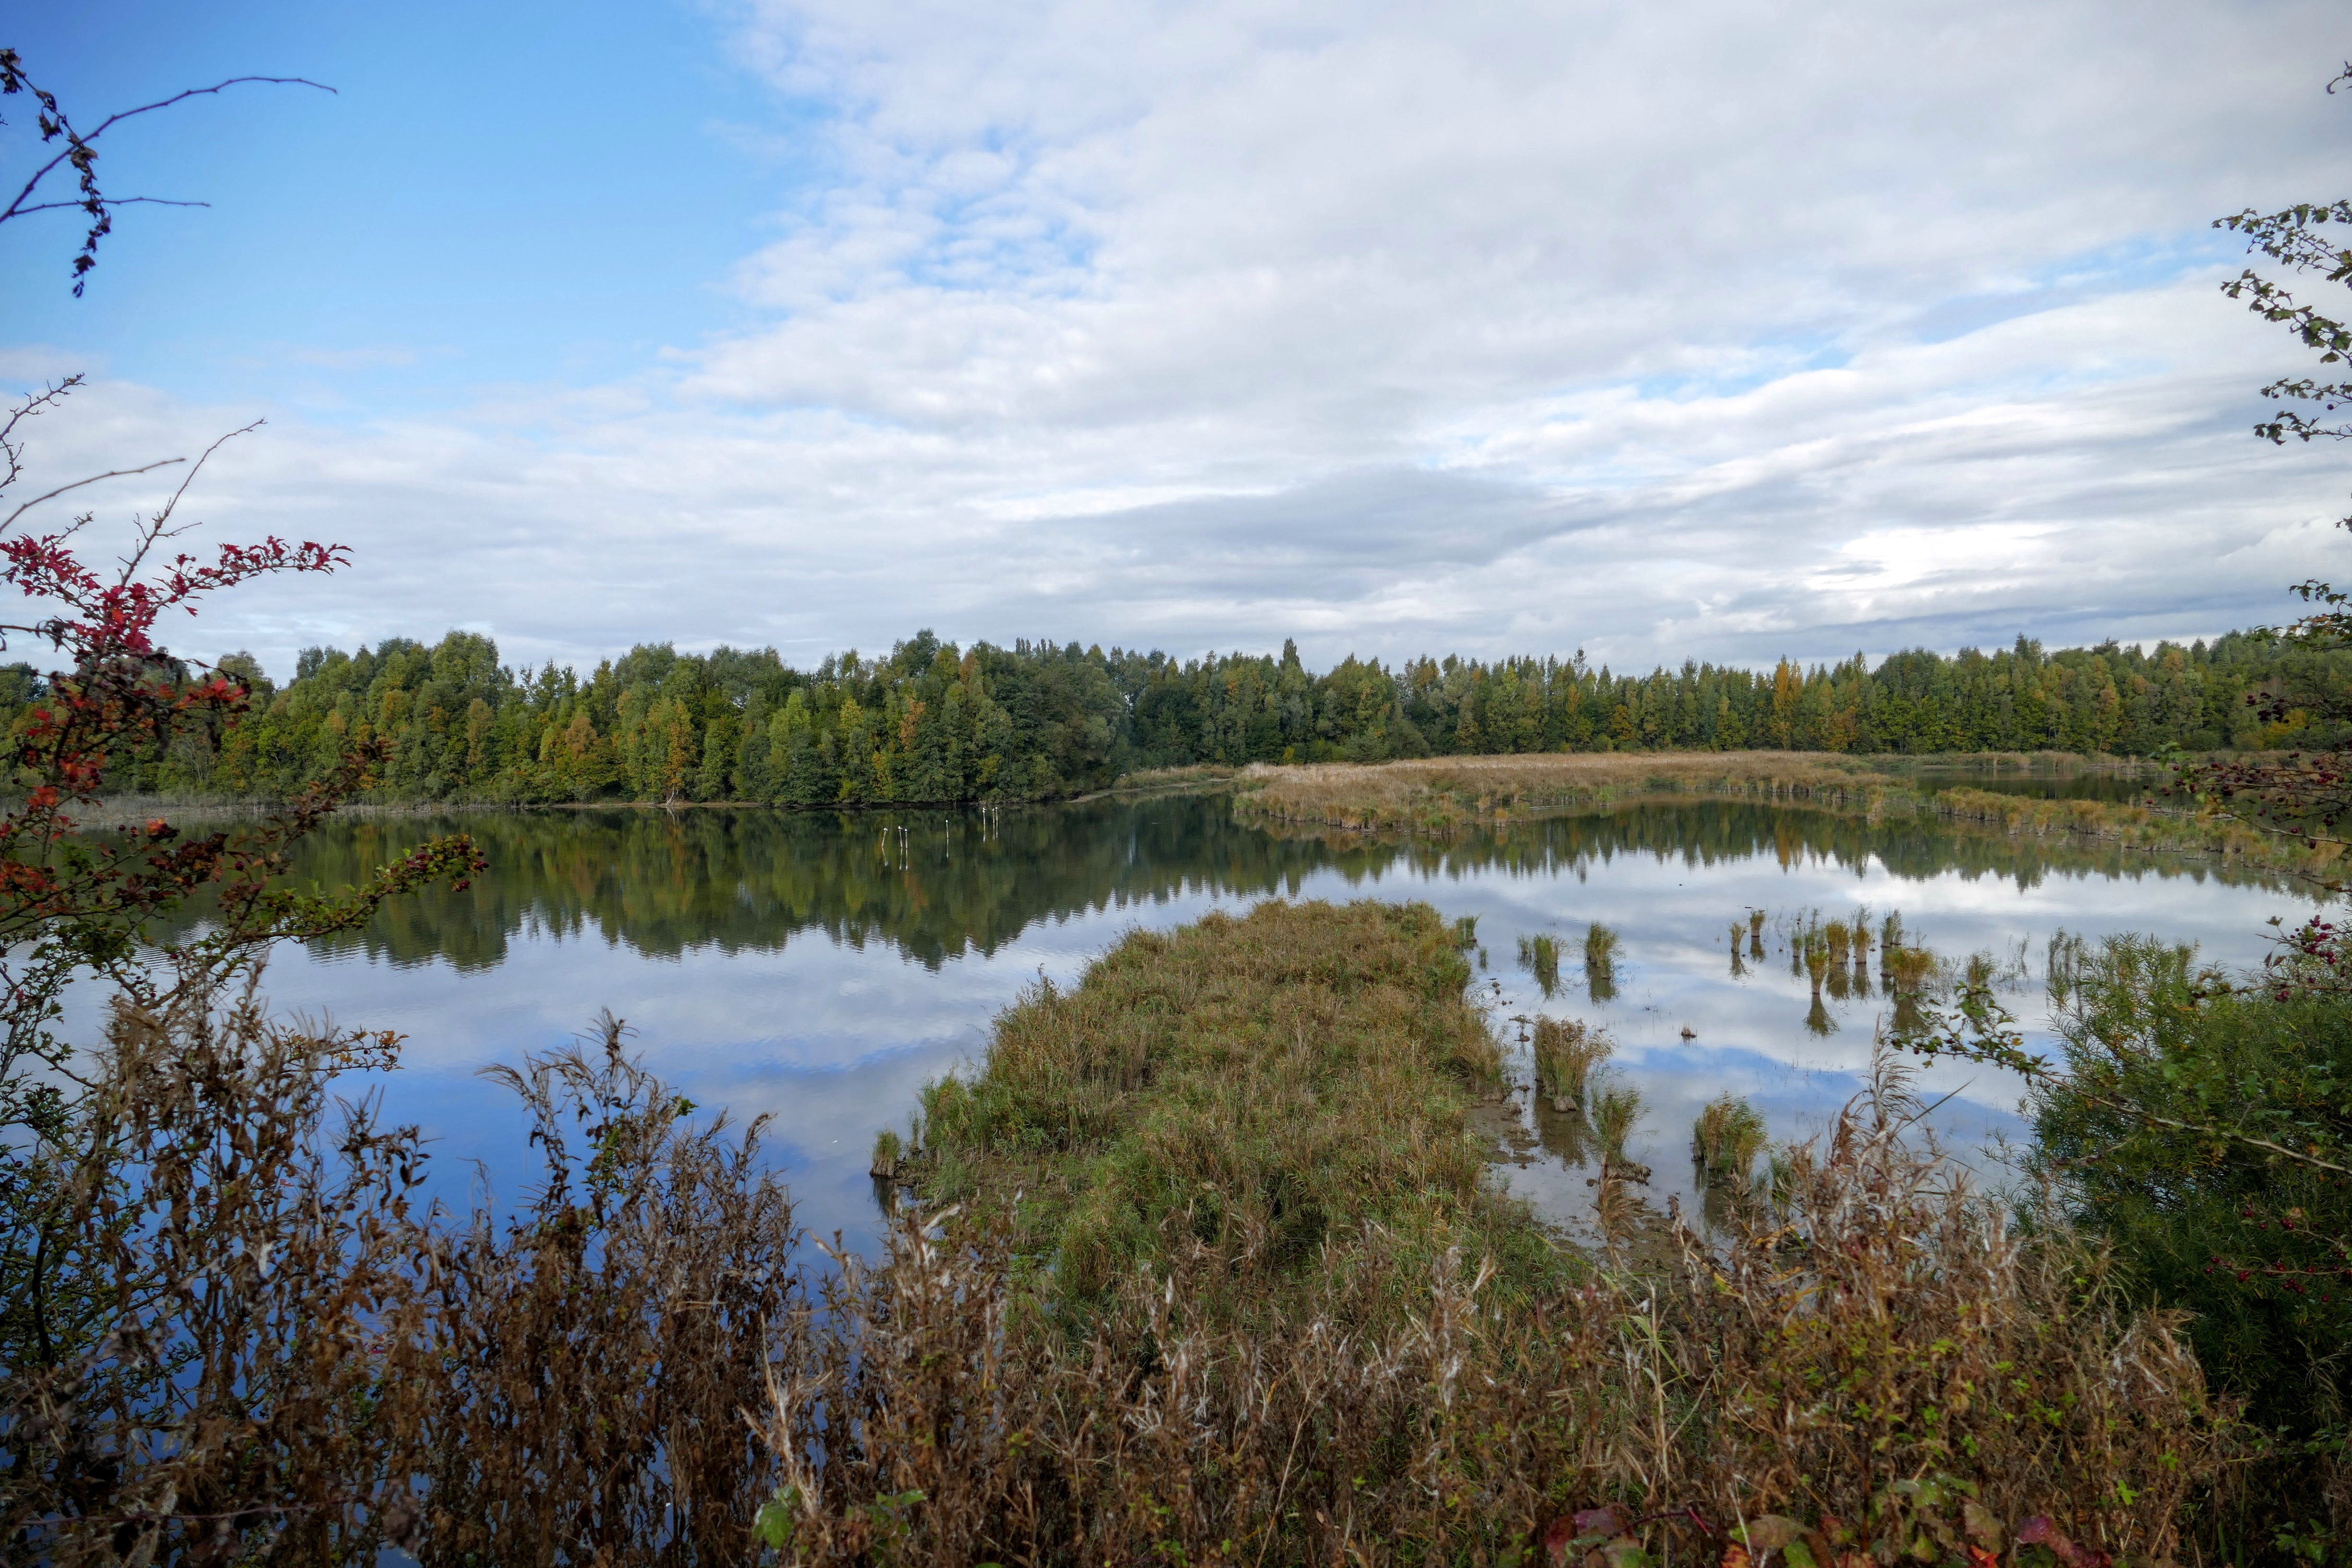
2176, 1130
2203, 1127
292, 1364
203, 1300
583, 1367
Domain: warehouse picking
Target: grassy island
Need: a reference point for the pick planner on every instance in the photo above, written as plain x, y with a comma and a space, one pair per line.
1269, 1085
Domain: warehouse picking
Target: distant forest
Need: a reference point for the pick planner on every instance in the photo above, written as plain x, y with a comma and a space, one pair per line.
934, 723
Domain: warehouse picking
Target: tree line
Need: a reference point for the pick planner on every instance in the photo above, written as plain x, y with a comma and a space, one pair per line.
934, 722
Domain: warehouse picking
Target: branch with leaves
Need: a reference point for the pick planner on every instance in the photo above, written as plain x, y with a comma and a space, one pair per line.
77, 151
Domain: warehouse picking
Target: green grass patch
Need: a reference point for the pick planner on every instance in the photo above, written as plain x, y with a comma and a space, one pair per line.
1269, 1085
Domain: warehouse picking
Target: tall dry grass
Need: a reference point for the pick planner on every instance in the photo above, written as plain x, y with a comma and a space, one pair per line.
1877, 1367
290, 1361
1442, 796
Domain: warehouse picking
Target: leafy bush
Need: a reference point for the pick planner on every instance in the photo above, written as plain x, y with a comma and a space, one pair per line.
2205, 1128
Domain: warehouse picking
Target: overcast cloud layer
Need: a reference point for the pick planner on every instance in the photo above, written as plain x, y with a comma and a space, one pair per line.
1711, 329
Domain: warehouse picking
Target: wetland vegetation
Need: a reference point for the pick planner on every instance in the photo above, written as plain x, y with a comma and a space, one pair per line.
1201, 1261
1439, 798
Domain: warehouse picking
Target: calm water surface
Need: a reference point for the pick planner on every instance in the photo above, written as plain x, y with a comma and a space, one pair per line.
817, 969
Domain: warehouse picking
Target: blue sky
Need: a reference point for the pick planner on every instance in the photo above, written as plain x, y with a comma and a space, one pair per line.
1710, 327
520, 193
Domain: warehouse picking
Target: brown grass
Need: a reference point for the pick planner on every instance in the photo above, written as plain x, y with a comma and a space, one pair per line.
269, 1355
1879, 1366
1442, 796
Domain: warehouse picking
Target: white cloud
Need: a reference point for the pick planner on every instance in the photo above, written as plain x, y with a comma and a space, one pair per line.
1719, 329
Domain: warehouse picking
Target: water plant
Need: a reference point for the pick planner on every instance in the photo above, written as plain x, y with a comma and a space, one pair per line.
1725, 1140
1540, 955
1601, 944
887, 1150
1907, 969
1616, 1111
1565, 1052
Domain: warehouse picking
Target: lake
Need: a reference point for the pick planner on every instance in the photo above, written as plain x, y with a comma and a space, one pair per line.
818, 968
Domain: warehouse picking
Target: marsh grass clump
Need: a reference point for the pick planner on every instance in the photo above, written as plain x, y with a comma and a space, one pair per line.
1813, 946
1439, 796
1616, 1111
1565, 1052
887, 1151
1725, 1140
1908, 969
1278, 1080
1601, 944
1540, 956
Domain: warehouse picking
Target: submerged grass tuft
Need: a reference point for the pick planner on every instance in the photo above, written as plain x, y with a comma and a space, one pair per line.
1567, 1051
1540, 956
1726, 1141
1601, 945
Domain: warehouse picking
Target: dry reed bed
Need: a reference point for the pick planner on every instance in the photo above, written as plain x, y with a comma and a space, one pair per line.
1442, 796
